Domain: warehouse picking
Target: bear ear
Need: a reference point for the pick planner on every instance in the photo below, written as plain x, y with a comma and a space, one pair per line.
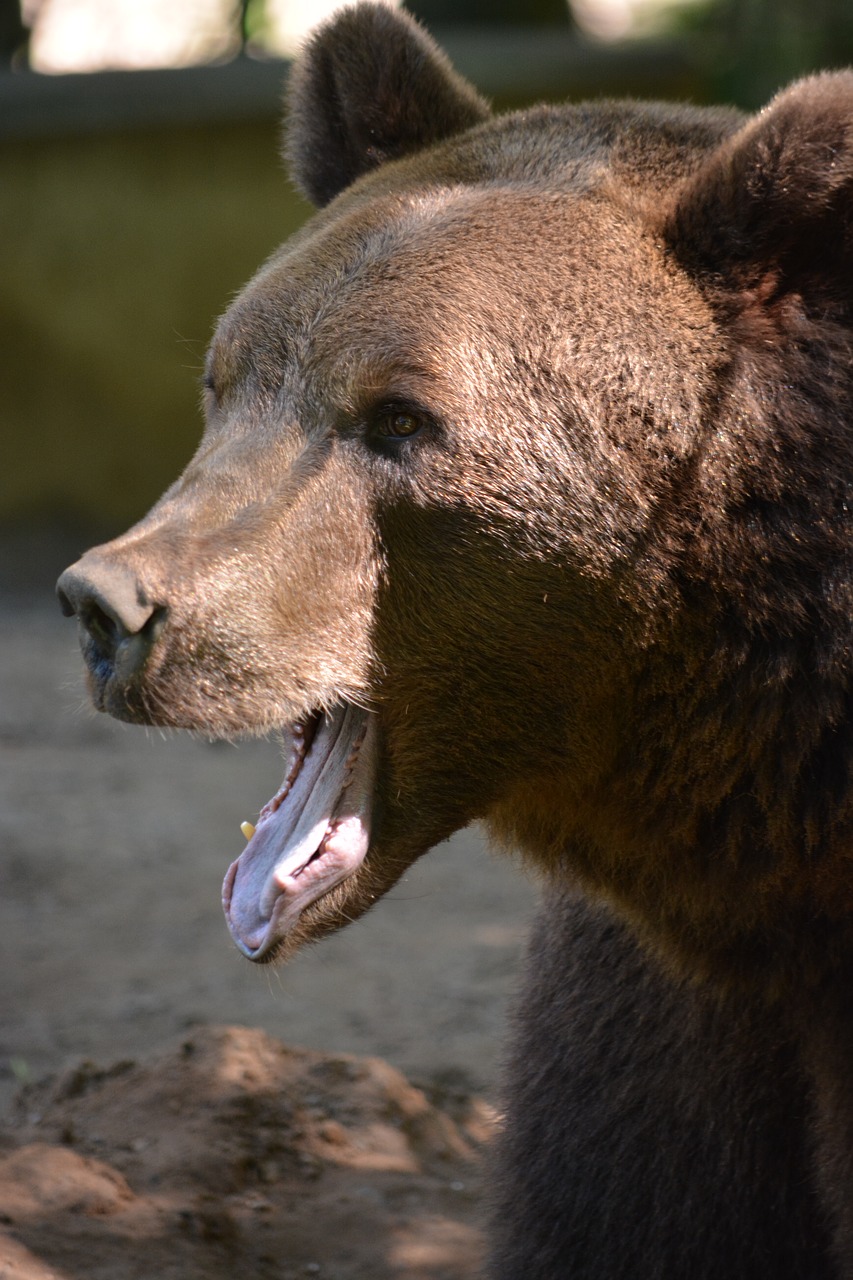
370, 86
770, 211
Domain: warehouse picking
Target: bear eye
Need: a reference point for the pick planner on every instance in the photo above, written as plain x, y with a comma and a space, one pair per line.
397, 424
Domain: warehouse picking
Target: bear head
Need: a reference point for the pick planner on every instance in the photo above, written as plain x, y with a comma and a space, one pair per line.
523, 496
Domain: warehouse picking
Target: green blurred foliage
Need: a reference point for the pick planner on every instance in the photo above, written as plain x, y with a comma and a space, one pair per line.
490, 13
754, 47
748, 48
13, 33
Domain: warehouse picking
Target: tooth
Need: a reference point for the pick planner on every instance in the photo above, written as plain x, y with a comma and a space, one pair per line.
247, 829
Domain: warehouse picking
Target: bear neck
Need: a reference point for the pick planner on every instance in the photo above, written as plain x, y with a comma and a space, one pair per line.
721, 824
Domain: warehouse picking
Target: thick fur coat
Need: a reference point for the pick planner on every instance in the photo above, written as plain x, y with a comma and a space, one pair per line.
536, 444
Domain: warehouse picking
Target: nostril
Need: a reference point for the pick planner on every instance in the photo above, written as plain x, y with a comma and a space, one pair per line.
119, 624
106, 631
99, 588
131, 650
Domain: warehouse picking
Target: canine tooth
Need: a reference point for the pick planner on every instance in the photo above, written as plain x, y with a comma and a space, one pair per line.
247, 829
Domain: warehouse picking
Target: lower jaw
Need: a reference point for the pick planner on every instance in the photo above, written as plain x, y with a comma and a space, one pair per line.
311, 838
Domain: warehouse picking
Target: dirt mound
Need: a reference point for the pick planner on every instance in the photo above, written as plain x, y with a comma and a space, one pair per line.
229, 1154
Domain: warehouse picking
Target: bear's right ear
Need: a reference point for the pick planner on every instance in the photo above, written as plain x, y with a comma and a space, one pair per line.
370, 86
770, 212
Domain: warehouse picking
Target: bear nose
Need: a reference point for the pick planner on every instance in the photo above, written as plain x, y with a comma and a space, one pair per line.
112, 611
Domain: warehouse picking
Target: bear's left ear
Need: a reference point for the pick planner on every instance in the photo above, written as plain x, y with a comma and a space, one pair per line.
370, 86
770, 211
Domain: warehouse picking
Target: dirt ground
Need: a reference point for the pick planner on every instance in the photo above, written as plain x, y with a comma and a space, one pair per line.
155, 1123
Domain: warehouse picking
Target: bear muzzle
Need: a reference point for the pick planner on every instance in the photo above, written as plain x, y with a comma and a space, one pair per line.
119, 626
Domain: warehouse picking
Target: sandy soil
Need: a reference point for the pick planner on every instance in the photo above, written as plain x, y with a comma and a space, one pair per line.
147, 1131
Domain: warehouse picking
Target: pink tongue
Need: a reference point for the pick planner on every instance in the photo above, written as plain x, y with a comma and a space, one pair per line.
277, 875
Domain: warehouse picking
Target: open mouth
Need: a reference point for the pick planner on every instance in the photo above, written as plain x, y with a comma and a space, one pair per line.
312, 835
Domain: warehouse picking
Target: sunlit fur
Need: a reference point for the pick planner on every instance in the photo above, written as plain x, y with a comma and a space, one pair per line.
601, 600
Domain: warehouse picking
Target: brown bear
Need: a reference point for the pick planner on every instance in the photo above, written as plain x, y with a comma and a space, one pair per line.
525, 496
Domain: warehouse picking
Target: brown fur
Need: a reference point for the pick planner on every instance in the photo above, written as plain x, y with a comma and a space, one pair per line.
602, 600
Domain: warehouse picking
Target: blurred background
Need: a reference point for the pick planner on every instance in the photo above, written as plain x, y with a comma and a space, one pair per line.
141, 186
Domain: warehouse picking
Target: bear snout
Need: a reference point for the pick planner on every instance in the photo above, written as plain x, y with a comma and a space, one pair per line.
119, 626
